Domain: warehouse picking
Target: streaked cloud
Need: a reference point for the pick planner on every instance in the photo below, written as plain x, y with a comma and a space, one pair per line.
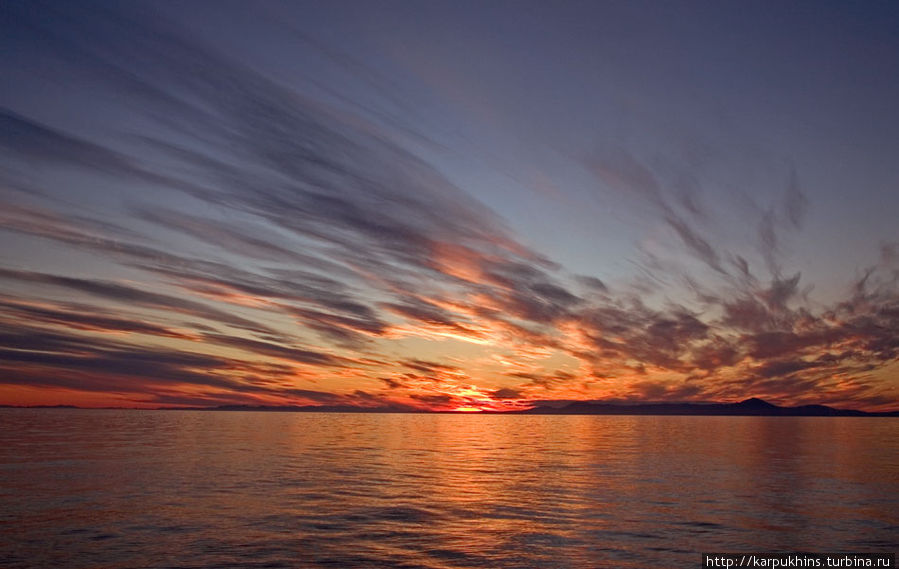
229, 237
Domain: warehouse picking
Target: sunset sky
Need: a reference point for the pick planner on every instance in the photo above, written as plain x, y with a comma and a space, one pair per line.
449, 205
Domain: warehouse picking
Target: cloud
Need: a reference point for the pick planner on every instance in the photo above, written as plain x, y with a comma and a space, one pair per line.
280, 351
349, 330
71, 357
699, 246
430, 367
506, 393
86, 317
57, 359
795, 201
527, 292
30, 140
270, 237
117, 292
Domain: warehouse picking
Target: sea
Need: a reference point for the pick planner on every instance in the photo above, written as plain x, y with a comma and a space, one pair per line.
104, 489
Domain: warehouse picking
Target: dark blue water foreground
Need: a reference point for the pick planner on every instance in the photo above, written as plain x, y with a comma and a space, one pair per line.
116, 489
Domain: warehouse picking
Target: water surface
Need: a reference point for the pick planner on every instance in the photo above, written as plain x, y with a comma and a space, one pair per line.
116, 489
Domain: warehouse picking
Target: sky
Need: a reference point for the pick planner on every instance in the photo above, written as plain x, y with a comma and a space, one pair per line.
448, 205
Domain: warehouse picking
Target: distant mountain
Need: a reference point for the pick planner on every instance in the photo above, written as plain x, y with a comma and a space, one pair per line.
749, 407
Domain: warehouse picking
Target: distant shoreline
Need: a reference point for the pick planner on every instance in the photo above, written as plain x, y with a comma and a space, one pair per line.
752, 407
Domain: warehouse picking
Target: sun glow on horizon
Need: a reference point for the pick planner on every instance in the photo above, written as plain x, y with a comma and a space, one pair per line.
468, 409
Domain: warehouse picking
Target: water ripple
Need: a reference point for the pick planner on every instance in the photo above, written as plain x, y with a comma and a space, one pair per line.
89, 489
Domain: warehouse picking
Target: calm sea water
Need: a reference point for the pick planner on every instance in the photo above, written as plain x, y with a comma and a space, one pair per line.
115, 489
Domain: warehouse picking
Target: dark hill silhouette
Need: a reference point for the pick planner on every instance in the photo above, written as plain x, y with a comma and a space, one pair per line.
749, 407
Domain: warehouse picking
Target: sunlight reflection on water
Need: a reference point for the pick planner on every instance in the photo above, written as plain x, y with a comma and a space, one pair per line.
240, 489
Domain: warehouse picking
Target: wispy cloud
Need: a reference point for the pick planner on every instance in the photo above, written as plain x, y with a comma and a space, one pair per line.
259, 242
